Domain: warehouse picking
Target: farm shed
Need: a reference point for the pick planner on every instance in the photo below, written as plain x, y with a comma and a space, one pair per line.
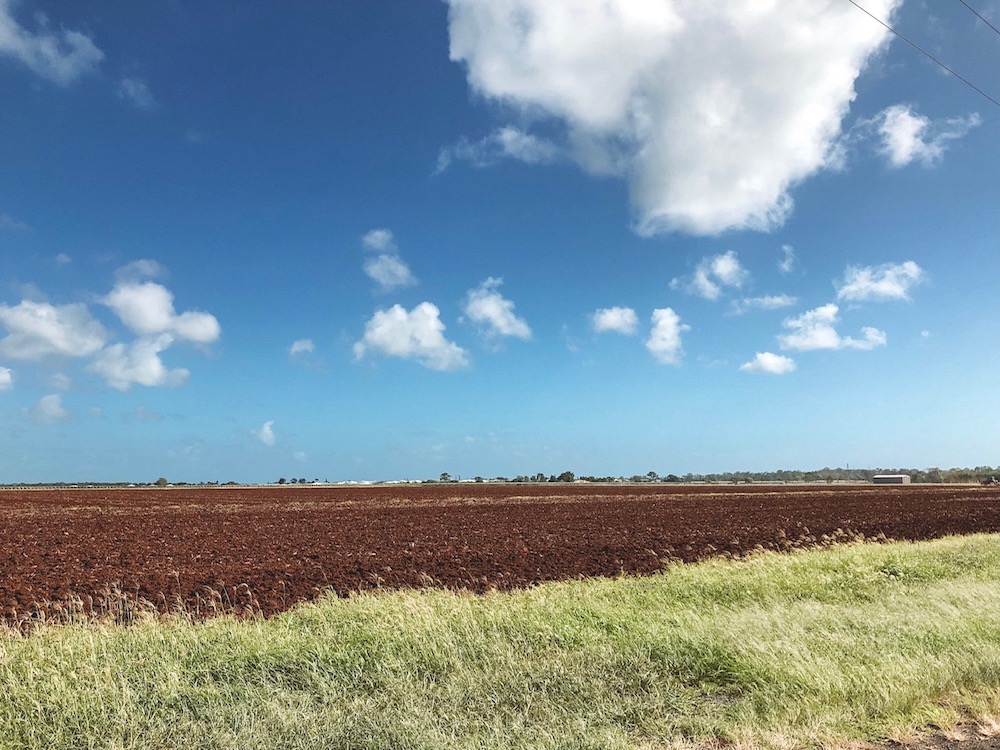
891, 479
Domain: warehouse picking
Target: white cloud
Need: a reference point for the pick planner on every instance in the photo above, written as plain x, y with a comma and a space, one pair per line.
815, 330
139, 362
302, 346
386, 267
767, 302
890, 281
665, 339
6, 379
266, 433
787, 262
39, 329
137, 270
506, 142
486, 307
137, 93
908, 137
48, 410
60, 57
418, 334
621, 320
712, 274
63, 260
8, 222
147, 308
711, 111
60, 381
770, 364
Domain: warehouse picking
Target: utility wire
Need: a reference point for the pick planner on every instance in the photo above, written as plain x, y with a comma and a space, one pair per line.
979, 16
927, 54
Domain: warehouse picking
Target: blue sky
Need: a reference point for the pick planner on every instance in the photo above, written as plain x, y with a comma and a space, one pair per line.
386, 240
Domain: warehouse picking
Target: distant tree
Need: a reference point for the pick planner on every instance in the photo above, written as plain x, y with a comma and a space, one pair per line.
566, 476
282, 480
161, 482
445, 477
653, 476
302, 480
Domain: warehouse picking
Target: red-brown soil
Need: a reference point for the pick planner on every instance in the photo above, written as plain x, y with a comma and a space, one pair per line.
264, 549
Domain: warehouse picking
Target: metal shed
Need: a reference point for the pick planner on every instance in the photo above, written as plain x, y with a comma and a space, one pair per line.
891, 479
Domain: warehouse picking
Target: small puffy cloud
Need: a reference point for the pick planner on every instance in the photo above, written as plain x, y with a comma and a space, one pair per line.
60, 381
266, 433
621, 320
48, 410
302, 346
712, 274
139, 363
147, 308
787, 262
60, 57
136, 92
889, 281
8, 222
384, 265
767, 302
63, 260
507, 142
6, 379
770, 364
494, 314
137, 270
39, 329
815, 330
664, 341
694, 104
907, 137
416, 334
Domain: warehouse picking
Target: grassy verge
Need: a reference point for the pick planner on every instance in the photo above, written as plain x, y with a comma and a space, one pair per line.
822, 647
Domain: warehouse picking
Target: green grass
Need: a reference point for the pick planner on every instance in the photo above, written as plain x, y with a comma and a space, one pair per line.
850, 643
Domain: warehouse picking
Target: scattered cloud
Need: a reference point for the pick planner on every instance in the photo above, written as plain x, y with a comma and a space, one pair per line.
621, 320
302, 346
48, 410
39, 329
60, 381
815, 330
907, 137
137, 270
8, 222
889, 281
384, 265
494, 314
6, 379
60, 57
664, 341
507, 142
147, 308
708, 120
417, 334
767, 302
139, 363
63, 260
712, 274
788, 259
266, 433
769, 364
136, 92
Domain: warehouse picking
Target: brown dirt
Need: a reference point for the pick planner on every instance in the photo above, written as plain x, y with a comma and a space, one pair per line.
264, 549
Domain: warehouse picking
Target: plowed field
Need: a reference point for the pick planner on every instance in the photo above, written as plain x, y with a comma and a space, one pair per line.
264, 549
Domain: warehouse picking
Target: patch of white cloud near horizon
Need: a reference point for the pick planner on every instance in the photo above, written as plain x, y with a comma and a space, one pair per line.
416, 334
136, 92
38, 329
889, 281
712, 274
815, 329
664, 341
907, 137
769, 364
266, 433
48, 410
302, 346
621, 320
493, 313
386, 268
708, 118
147, 308
507, 142
6, 378
139, 363
767, 302
60, 57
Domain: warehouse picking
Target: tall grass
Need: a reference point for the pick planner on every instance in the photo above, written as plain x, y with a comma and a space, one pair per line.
823, 647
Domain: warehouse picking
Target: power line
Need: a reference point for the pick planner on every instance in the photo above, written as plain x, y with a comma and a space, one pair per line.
927, 54
979, 16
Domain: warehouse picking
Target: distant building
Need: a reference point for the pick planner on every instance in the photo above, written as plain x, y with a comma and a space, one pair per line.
891, 479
